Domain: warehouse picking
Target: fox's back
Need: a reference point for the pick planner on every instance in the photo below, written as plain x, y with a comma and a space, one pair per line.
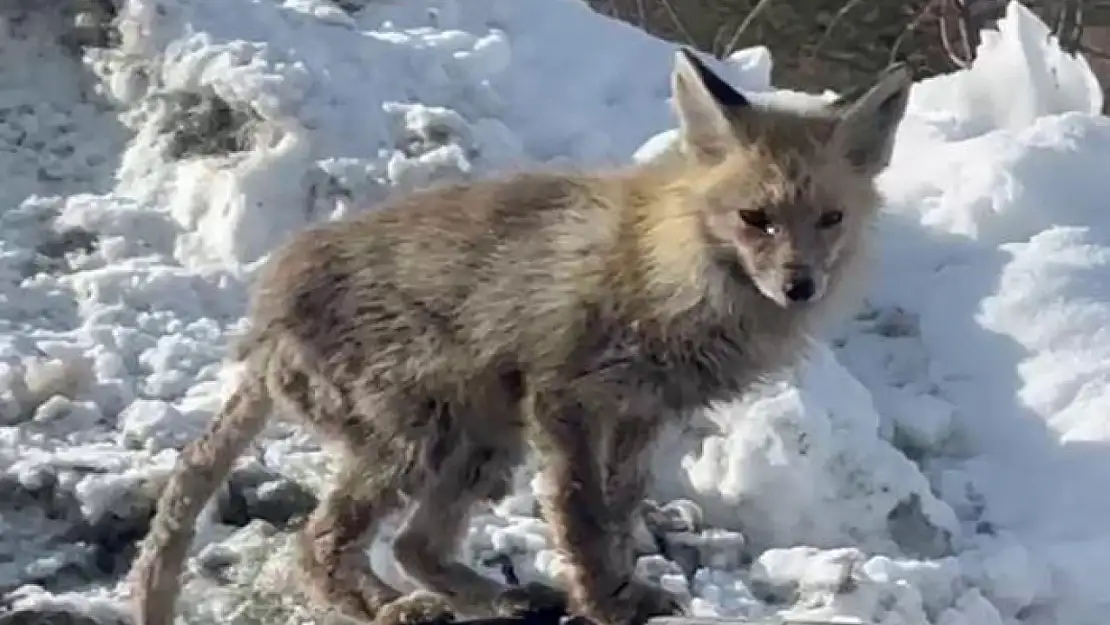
439, 281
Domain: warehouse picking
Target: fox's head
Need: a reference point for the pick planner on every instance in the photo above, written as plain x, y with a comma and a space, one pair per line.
783, 195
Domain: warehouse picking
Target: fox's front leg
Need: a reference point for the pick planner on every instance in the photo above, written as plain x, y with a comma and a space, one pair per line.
626, 478
627, 474
601, 581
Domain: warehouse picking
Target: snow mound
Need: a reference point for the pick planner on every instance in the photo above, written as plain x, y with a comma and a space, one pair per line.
939, 460
1019, 75
802, 462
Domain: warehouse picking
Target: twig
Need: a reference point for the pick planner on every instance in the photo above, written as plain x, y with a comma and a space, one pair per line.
969, 23
748, 19
717, 47
641, 12
946, 40
1068, 26
845, 59
1097, 53
969, 29
678, 22
911, 27
848, 6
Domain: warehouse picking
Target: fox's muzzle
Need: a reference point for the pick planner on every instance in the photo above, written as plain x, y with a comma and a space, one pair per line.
799, 286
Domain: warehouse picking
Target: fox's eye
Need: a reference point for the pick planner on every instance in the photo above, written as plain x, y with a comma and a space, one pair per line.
830, 219
758, 220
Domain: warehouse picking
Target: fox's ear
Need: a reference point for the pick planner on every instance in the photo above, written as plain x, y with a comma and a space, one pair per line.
700, 102
866, 129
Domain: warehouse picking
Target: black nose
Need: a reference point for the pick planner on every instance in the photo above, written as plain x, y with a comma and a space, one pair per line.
800, 289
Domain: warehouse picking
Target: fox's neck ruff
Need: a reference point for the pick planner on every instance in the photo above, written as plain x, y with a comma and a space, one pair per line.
678, 269
683, 275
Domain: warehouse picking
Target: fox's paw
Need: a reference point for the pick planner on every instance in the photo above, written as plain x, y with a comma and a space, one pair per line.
416, 608
346, 589
651, 600
532, 599
633, 604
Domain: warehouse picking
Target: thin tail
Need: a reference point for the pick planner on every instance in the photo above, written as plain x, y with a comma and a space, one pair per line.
201, 468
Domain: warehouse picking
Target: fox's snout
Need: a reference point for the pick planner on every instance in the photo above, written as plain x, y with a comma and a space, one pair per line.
799, 285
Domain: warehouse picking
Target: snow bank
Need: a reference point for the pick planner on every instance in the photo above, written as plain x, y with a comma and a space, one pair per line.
937, 461
397, 98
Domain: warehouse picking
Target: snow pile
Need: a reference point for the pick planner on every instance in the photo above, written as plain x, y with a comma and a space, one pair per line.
801, 461
939, 460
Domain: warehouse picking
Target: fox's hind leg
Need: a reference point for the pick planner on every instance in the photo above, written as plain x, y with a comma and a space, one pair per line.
426, 546
601, 575
333, 559
472, 446
334, 569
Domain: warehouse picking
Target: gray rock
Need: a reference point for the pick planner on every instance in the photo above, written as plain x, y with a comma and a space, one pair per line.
256, 492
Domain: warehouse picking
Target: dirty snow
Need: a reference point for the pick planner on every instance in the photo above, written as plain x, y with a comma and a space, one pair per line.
941, 459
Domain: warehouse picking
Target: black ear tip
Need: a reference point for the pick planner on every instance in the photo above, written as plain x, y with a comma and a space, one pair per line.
722, 92
690, 57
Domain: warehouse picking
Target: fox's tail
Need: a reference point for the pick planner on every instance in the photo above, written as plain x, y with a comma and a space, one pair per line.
201, 468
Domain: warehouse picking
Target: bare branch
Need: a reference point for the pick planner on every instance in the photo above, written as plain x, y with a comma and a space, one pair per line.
846, 60
678, 22
946, 38
719, 44
930, 7
969, 26
844, 10
1068, 25
748, 19
1092, 51
641, 13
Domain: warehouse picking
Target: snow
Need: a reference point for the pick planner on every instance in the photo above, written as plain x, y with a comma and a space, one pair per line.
940, 459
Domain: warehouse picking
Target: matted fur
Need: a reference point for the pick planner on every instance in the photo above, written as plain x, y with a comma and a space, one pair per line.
435, 337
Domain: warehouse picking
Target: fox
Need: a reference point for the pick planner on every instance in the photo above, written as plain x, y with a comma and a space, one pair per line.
443, 336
